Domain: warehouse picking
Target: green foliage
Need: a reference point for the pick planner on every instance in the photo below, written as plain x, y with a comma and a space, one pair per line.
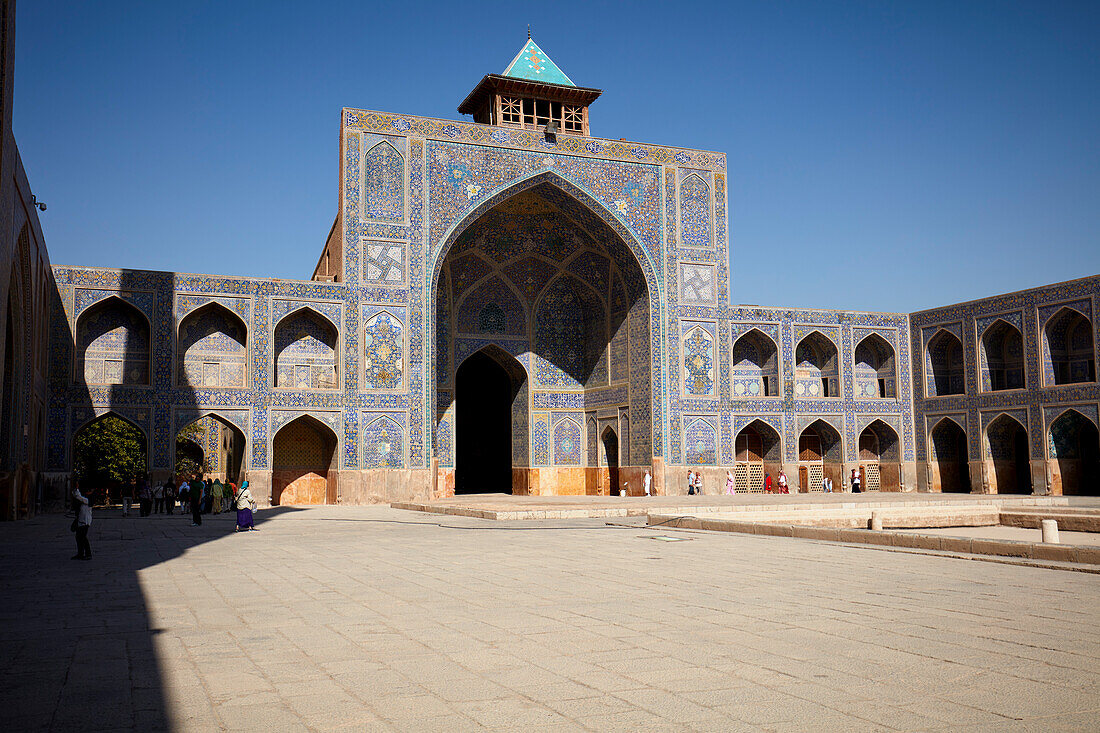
190, 458
108, 451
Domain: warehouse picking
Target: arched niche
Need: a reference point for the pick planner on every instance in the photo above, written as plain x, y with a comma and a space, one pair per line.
1068, 348
109, 451
1075, 454
112, 344
1007, 456
1002, 357
879, 458
701, 442
816, 367
758, 453
304, 463
383, 192
609, 462
306, 351
944, 364
491, 307
210, 446
587, 284
383, 444
949, 458
212, 348
755, 365
875, 369
820, 456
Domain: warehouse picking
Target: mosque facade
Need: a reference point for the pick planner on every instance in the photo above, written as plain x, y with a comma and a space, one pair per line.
513, 305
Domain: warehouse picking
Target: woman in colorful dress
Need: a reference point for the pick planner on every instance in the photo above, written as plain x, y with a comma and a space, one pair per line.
244, 504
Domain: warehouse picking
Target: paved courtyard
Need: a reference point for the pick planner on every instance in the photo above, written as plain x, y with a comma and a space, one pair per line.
379, 619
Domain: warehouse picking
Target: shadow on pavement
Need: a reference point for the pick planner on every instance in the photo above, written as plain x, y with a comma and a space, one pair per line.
77, 638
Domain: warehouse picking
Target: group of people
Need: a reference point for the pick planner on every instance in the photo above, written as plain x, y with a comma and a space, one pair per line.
214, 497
211, 496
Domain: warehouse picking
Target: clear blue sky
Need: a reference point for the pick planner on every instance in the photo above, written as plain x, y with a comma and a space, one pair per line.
882, 155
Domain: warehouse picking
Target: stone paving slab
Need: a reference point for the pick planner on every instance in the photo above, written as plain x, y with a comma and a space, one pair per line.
370, 618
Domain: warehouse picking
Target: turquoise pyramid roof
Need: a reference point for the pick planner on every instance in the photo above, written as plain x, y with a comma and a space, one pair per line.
533, 64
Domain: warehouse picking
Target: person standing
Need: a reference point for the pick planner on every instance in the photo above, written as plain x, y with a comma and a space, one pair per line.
691, 483
158, 498
855, 480
127, 497
698, 482
767, 483
729, 483
196, 502
244, 504
216, 492
145, 497
169, 496
83, 523
781, 482
647, 482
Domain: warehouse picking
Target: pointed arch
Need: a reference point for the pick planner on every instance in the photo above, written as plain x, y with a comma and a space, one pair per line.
699, 358
875, 368
1007, 454
383, 352
567, 443
944, 365
223, 453
1068, 350
701, 442
1001, 357
816, 366
755, 365
1074, 454
129, 447
383, 442
695, 213
212, 348
491, 421
305, 351
383, 195
113, 338
948, 456
304, 463
879, 457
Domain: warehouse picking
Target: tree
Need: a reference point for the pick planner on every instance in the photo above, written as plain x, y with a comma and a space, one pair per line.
108, 451
190, 458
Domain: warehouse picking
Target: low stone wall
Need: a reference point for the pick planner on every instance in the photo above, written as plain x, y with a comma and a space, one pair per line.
1005, 548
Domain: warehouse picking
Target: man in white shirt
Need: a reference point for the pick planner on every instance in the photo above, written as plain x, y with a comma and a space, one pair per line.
647, 482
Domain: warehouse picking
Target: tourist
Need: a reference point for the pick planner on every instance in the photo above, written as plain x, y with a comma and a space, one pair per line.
216, 492
767, 483
196, 502
781, 483
855, 480
244, 505
158, 498
647, 482
81, 524
169, 495
729, 482
827, 485
127, 497
145, 498
185, 497
691, 483
698, 482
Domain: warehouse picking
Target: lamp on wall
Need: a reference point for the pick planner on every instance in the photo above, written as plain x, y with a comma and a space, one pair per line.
36, 203
551, 129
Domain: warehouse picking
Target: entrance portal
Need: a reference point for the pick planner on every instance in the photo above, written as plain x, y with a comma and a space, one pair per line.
950, 458
1006, 449
484, 394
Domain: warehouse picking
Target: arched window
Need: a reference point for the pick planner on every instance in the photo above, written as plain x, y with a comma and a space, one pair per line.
755, 370
112, 344
1002, 353
874, 373
816, 370
305, 351
944, 363
1069, 348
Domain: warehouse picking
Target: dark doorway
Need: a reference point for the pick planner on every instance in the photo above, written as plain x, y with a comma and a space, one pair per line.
950, 458
483, 426
611, 460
